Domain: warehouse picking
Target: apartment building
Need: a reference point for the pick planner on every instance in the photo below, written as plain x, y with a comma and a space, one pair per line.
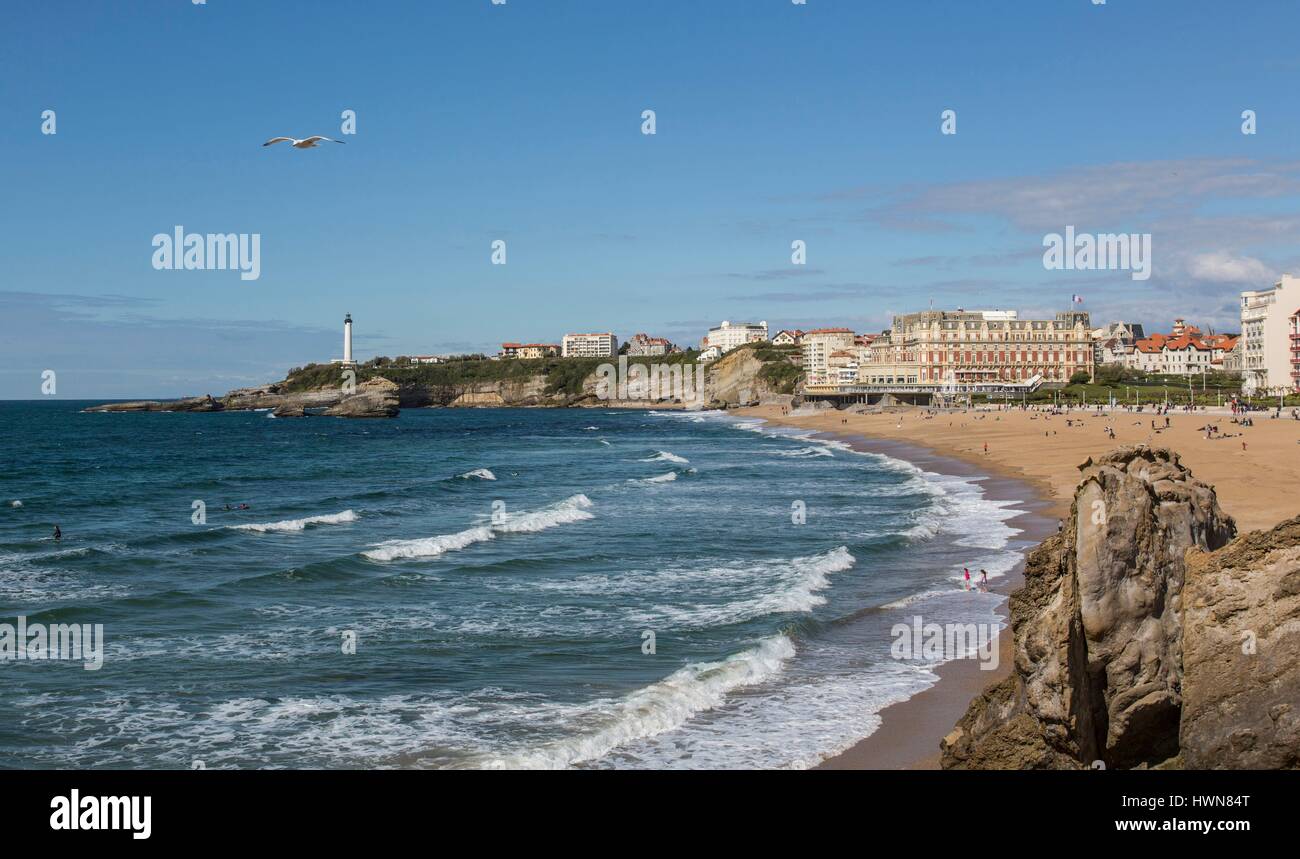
818, 346
1266, 353
599, 345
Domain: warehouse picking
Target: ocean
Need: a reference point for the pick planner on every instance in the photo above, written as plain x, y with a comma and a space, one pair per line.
458, 588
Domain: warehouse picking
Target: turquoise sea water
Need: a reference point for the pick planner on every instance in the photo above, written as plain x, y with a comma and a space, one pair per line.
500, 569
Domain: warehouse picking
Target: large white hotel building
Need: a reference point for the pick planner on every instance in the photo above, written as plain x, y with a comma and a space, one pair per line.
980, 347
940, 350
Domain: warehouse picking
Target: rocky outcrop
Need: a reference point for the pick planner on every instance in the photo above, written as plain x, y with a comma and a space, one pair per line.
205, 403
374, 398
1241, 653
289, 410
733, 380
1098, 626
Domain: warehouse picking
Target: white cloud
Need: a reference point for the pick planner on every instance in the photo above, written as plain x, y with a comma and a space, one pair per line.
1223, 267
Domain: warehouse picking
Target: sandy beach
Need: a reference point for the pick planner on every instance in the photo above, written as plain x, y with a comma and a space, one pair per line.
1258, 484
1035, 456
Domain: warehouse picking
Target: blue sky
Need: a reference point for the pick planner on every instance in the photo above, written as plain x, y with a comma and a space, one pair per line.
522, 122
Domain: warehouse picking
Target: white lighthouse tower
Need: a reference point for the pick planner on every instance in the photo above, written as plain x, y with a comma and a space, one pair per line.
347, 341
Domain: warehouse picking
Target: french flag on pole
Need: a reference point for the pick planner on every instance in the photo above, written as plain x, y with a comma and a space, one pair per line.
1078, 299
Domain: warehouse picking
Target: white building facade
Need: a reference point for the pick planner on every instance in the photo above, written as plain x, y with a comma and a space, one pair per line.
601, 345
733, 335
1266, 336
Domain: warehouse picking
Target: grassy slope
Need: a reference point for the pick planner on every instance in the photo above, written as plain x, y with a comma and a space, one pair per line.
563, 375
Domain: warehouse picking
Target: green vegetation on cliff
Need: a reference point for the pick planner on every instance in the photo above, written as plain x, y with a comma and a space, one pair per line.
563, 375
779, 372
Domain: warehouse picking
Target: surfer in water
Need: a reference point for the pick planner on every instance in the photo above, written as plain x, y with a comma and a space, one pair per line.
58, 535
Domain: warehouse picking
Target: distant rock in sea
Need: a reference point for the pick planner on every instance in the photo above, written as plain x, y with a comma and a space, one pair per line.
205, 403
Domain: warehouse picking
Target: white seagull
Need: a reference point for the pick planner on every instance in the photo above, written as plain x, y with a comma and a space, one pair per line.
309, 143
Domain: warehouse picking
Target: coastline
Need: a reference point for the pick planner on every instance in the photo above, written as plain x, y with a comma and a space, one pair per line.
910, 730
1253, 469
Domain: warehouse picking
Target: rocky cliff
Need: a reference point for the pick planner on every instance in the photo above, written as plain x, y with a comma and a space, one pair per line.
1241, 653
735, 379
1127, 635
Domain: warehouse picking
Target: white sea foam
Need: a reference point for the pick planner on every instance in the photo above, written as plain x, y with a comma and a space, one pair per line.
428, 547
666, 477
298, 524
478, 474
572, 509
15, 503
819, 450
759, 589
654, 709
666, 456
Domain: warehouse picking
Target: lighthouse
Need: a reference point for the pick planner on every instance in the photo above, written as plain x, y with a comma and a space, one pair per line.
347, 340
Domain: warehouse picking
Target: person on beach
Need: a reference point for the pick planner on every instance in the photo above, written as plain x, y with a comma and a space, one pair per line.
966, 571
58, 535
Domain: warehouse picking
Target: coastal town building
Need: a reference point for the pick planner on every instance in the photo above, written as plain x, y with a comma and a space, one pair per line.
788, 337
955, 351
1114, 343
599, 345
1232, 362
1184, 351
818, 346
532, 351
842, 367
644, 344
426, 359
510, 350
1294, 340
709, 353
732, 335
1267, 354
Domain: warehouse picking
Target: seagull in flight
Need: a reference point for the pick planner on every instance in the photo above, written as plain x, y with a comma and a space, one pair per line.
309, 143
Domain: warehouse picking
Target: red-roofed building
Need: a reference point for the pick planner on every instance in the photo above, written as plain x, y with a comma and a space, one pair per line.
1185, 351
644, 344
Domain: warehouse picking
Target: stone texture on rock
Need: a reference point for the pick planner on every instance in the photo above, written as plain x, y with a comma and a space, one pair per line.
1098, 625
374, 398
1241, 653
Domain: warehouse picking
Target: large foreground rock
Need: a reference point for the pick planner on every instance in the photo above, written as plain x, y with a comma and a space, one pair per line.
1098, 625
1241, 653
